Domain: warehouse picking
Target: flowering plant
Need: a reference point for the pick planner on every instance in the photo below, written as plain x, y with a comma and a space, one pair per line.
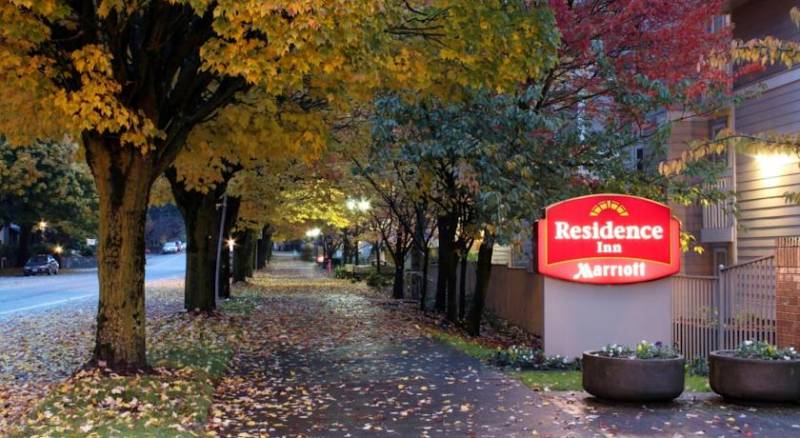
765, 350
527, 358
643, 350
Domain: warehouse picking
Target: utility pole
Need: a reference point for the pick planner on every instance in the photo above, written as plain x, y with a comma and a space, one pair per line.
219, 247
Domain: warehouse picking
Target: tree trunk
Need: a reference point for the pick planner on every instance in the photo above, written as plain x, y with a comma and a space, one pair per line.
482, 275
398, 290
462, 288
416, 268
202, 232
24, 246
123, 177
269, 244
452, 287
423, 296
243, 255
447, 229
263, 247
345, 249
399, 280
201, 216
378, 256
225, 274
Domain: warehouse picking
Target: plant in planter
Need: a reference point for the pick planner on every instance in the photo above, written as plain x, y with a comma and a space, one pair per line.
756, 371
647, 373
527, 358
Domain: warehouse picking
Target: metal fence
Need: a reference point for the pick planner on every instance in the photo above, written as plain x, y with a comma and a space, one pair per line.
748, 302
712, 313
695, 315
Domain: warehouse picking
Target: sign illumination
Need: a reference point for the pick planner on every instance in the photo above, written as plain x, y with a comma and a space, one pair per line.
609, 239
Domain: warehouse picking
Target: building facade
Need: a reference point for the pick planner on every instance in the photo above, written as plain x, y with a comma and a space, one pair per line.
760, 182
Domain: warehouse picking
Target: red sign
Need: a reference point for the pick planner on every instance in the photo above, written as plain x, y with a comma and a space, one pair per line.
609, 239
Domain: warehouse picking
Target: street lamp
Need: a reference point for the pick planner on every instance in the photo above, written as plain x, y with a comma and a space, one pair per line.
58, 249
313, 233
360, 205
42, 225
231, 243
357, 206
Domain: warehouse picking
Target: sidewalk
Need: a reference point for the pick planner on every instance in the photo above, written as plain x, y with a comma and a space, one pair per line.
330, 358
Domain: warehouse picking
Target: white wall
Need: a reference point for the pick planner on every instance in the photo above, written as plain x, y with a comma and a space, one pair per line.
581, 317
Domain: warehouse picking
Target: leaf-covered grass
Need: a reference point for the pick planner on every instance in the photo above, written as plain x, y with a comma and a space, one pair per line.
571, 381
189, 354
468, 346
697, 383
551, 380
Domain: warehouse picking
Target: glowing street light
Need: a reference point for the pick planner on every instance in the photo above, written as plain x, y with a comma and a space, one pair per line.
231, 243
360, 205
42, 225
313, 233
58, 249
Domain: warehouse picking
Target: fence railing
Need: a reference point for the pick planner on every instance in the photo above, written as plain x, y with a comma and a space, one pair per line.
716, 216
695, 315
748, 303
712, 313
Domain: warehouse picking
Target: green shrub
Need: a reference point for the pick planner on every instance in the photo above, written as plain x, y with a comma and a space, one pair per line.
340, 273
378, 279
698, 367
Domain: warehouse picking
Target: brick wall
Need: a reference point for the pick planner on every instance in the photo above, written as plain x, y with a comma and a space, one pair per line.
787, 283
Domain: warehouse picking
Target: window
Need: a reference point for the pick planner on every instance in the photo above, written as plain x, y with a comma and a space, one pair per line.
638, 158
719, 22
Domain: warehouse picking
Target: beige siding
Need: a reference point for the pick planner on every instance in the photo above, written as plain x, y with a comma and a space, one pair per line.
764, 213
691, 217
776, 110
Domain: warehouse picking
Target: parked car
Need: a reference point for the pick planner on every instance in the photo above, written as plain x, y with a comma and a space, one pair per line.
41, 264
170, 248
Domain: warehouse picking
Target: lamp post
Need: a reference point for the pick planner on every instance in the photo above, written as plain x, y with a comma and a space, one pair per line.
357, 207
313, 234
58, 250
42, 225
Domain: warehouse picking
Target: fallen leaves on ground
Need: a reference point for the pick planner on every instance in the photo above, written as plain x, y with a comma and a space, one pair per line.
42, 348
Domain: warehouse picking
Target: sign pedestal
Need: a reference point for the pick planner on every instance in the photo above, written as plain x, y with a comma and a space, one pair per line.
607, 259
580, 317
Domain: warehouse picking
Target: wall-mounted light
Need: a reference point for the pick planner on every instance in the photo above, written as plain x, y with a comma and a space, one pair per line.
772, 164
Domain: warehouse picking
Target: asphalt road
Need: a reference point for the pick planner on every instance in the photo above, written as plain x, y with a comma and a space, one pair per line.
22, 294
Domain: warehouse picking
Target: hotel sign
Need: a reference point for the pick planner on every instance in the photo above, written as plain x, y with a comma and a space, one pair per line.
609, 239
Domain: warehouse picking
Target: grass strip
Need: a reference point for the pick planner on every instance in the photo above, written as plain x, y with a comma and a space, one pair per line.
551, 380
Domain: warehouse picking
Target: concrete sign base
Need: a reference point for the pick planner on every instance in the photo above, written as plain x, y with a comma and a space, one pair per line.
580, 317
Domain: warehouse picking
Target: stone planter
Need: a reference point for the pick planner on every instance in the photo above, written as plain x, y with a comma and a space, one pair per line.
735, 378
632, 380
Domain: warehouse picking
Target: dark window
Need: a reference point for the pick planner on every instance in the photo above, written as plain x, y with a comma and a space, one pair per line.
640, 159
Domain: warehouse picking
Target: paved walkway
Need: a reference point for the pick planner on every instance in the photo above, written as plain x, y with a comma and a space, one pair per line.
329, 358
